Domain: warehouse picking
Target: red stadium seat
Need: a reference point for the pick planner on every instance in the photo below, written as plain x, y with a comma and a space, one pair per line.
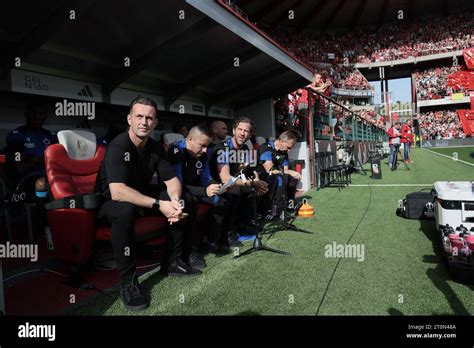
71, 168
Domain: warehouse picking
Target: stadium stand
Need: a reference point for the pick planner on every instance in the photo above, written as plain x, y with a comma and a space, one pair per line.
433, 83
393, 41
443, 124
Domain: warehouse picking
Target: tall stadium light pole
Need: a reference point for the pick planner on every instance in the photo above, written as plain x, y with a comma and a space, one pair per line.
413, 106
385, 94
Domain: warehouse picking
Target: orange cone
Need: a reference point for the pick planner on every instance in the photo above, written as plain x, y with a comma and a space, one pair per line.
306, 210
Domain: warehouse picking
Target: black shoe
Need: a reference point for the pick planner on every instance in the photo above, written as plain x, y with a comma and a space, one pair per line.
179, 268
197, 261
220, 249
223, 249
234, 241
132, 296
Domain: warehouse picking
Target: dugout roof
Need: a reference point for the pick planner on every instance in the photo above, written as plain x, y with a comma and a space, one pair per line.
171, 57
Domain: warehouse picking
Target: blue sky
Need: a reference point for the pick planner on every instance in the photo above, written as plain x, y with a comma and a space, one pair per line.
400, 89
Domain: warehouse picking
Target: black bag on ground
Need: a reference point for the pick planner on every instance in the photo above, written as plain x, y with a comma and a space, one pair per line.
417, 205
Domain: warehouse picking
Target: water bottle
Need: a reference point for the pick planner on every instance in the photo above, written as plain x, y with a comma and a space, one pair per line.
447, 245
465, 253
470, 241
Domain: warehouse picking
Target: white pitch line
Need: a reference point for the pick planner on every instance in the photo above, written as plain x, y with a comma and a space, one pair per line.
393, 185
447, 147
450, 157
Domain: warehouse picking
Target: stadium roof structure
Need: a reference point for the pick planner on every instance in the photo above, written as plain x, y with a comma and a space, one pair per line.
332, 14
191, 56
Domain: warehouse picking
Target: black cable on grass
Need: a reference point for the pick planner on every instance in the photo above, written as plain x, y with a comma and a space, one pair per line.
339, 261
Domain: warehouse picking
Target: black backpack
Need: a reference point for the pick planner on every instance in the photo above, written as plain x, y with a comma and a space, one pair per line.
417, 205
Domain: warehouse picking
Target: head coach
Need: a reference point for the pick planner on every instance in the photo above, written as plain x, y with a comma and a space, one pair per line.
135, 179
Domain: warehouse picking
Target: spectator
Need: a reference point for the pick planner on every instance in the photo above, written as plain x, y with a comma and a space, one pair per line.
394, 41
407, 140
433, 83
442, 124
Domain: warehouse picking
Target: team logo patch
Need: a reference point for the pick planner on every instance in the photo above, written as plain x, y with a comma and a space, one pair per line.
176, 150
46, 141
81, 147
198, 164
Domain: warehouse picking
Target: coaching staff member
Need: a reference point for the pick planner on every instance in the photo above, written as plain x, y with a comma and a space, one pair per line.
228, 159
191, 164
131, 177
272, 162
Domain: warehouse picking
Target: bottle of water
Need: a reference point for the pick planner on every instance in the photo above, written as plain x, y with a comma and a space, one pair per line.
447, 245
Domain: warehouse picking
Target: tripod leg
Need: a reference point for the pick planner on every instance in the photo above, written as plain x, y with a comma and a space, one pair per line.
261, 248
274, 250
246, 252
292, 227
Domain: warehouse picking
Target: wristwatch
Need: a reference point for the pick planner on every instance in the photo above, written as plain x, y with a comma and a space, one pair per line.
156, 205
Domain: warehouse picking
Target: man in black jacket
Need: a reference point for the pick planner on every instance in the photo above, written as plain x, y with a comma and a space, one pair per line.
135, 179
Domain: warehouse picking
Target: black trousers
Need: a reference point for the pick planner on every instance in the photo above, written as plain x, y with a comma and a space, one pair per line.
277, 186
219, 216
242, 206
121, 217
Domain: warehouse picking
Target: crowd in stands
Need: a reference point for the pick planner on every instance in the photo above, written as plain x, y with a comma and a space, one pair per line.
371, 117
443, 124
348, 78
433, 83
398, 40
315, 50
426, 35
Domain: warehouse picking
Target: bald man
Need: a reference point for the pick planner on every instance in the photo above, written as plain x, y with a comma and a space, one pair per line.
218, 134
191, 164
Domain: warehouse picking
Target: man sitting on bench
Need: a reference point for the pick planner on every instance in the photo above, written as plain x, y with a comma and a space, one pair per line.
273, 167
189, 158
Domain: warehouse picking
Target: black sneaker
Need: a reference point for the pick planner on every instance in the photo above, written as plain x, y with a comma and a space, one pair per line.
132, 296
179, 268
223, 249
196, 260
234, 241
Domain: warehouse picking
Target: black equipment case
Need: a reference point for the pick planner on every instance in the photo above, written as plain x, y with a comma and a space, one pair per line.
417, 205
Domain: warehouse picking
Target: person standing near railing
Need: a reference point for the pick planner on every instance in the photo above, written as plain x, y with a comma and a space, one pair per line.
321, 86
394, 136
407, 140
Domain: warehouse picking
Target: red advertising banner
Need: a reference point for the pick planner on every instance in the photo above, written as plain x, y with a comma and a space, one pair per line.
469, 58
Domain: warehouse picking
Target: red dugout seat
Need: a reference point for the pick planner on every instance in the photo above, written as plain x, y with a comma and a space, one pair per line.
71, 168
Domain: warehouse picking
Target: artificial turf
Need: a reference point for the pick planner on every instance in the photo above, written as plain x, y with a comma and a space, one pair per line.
402, 272
460, 153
